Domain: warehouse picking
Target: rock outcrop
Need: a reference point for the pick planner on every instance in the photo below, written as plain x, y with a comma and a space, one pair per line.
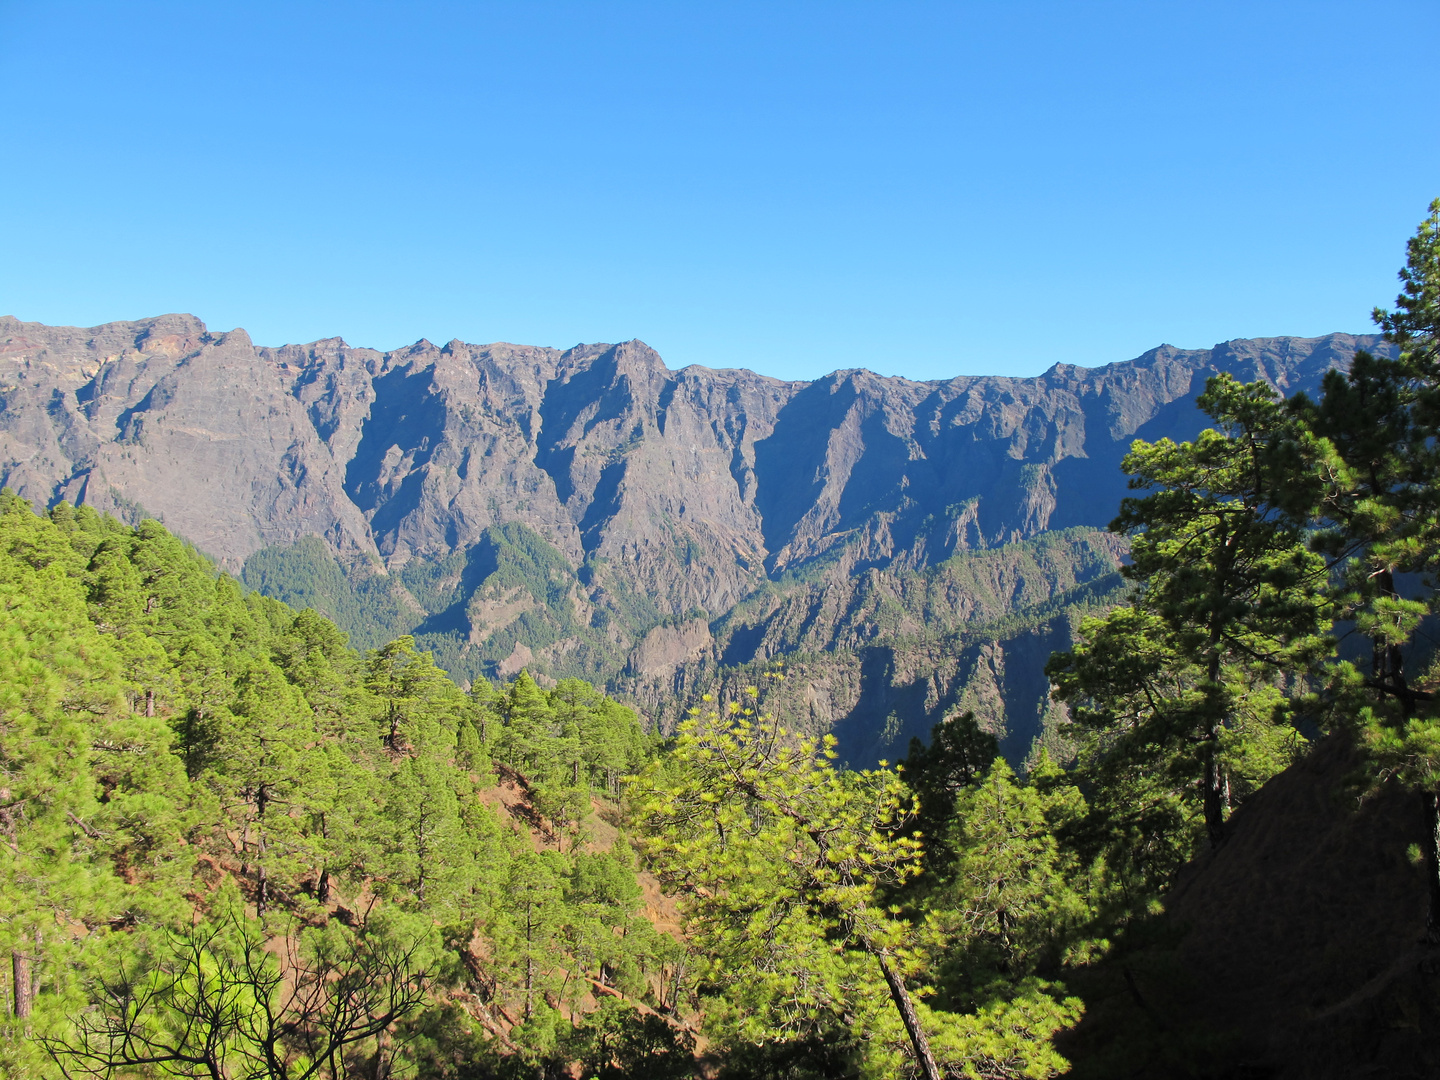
702, 480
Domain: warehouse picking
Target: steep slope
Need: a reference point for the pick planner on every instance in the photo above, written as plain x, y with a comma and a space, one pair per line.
589, 511
1294, 951
694, 479
162, 414
880, 656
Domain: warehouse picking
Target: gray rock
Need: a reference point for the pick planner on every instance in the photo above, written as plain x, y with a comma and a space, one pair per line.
672, 495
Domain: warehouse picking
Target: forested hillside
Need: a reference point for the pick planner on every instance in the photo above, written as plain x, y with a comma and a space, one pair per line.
175, 750
237, 847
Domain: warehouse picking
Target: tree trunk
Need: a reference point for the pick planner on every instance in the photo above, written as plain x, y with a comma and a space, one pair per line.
149, 702
322, 886
529, 964
381, 1066
1388, 661
1431, 799
1387, 666
1213, 790
20, 972
911, 1019
262, 883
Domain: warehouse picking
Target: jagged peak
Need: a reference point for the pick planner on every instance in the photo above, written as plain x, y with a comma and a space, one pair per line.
171, 323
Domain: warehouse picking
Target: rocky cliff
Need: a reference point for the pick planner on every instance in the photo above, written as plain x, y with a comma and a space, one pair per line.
590, 510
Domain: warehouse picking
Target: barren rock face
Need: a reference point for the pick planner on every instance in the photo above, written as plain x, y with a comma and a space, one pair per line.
666, 494
695, 478
196, 428
666, 649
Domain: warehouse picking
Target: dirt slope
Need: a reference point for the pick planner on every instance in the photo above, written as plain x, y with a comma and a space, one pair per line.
1293, 952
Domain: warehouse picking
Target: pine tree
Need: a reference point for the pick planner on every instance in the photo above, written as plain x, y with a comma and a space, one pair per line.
87, 789
56, 676
601, 739
428, 852
1230, 600
528, 927
420, 706
262, 764
605, 932
469, 753
1011, 897
149, 708
1383, 514
956, 757
342, 827
781, 860
528, 743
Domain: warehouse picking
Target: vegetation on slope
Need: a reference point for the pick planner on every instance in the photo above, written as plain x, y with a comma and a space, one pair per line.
175, 750
471, 608
240, 848
878, 655
881, 658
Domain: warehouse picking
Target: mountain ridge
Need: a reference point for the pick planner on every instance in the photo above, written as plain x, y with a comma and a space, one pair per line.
326, 378
644, 497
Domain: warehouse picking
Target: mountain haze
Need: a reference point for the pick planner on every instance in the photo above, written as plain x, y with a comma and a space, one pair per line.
911, 547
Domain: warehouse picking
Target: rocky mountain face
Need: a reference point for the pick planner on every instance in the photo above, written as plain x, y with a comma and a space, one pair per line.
590, 511
881, 655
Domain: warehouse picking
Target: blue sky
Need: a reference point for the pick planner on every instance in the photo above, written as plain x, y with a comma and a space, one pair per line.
921, 189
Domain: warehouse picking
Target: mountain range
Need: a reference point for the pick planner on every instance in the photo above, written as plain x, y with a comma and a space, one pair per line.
896, 549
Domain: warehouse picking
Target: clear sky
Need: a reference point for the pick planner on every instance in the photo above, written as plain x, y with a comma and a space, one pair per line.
923, 189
